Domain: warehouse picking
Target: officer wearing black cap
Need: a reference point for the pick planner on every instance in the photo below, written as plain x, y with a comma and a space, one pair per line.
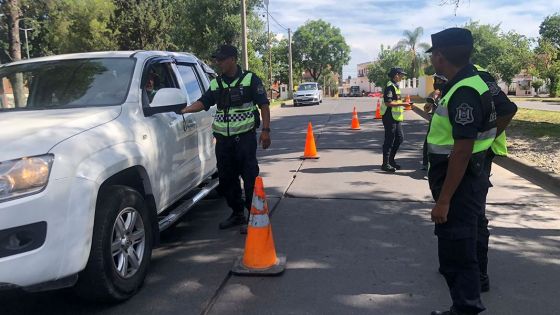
462, 130
237, 94
392, 111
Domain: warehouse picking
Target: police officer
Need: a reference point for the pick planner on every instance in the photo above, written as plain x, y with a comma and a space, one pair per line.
237, 94
463, 128
429, 108
505, 110
392, 119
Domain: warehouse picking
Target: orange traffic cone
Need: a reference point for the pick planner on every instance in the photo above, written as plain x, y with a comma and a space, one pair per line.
355, 122
407, 101
260, 256
310, 151
378, 110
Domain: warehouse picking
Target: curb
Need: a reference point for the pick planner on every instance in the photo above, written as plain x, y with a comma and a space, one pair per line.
545, 179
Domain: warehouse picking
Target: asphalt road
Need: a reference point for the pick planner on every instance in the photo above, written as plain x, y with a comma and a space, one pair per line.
358, 241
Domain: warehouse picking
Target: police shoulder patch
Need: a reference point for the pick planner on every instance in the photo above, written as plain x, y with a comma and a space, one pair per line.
464, 114
390, 93
260, 89
494, 88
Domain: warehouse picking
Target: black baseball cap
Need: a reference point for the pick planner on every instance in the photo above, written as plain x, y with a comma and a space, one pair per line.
394, 71
454, 36
224, 52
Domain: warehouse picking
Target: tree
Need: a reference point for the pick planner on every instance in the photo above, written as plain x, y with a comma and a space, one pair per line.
537, 84
79, 26
319, 47
387, 58
12, 10
550, 29
547, 65
411, 43
146, 24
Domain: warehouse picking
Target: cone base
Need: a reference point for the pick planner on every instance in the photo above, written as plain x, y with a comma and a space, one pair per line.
355, 128
239, 269
309, 157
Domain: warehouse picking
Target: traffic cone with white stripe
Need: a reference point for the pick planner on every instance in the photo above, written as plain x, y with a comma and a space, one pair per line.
378, 110
260, 257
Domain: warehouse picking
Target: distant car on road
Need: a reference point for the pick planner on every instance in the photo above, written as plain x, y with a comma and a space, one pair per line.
308, 93
374, 94
94, 160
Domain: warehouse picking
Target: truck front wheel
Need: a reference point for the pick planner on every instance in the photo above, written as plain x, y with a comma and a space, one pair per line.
121, 246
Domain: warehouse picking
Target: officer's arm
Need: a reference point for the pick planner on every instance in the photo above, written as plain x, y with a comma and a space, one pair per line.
193, 108
388, 97
502, 123
204, 103
265, 115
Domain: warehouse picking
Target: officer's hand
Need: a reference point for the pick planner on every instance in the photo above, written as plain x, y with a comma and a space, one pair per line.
439, 213
264, 140
184, 110
427, 107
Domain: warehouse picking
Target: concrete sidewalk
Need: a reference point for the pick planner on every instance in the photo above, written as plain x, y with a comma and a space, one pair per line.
359, 241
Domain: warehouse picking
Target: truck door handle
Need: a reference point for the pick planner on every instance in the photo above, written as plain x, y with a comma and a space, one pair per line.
188, 124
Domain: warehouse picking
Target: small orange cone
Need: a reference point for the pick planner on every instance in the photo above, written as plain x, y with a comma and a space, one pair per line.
355, 122
378, 110
310, 151
260, 257
408, 105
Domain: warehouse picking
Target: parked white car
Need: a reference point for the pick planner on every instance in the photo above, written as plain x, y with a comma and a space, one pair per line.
308, 93
93, 157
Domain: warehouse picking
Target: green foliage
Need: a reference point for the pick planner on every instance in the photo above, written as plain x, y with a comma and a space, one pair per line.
547, 64
550, 29
537, 84
143, 24
387, 58
318, 47
415, 50
503, 54
79, 25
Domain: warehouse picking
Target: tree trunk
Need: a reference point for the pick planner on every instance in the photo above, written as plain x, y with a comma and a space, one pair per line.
15, 50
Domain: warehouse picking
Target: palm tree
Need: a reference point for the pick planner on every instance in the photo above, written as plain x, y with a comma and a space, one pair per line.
411, 42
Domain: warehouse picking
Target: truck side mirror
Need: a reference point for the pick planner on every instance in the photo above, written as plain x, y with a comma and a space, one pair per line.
167, 100
168, 97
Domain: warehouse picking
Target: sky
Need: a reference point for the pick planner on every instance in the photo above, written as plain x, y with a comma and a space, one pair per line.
367, 24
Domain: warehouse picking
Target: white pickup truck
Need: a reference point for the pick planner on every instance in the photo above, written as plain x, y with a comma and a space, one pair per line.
93, 160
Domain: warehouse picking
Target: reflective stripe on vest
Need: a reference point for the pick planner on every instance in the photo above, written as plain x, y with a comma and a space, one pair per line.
499, 146
440, 137
396, 111
239, 119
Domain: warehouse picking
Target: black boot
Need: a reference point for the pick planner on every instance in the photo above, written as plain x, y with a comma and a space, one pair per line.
234, 219
392, 161
386, 166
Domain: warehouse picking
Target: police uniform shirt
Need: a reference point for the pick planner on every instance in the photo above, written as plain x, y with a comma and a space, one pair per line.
504, 106
258, 92
467, 115
390, 94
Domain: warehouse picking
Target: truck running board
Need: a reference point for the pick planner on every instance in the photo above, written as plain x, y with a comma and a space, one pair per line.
183, 208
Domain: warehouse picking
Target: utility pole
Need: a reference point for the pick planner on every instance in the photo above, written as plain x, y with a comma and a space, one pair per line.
25, 30
269, 48
290, 74
244, 32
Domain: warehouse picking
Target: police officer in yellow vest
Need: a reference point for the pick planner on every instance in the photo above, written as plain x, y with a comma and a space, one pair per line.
505, 110
463, 128
237, 94
392, 112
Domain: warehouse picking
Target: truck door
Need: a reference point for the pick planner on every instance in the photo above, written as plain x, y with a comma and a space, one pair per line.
175, 135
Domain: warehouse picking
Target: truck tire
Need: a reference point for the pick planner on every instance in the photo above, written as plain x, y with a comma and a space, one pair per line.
121, 246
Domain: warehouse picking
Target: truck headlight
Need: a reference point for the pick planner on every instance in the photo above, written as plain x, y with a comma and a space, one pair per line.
25, 176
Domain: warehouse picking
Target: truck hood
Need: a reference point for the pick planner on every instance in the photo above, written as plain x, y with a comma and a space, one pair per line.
29, 133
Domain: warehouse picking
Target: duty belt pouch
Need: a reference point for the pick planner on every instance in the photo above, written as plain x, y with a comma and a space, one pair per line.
476, 163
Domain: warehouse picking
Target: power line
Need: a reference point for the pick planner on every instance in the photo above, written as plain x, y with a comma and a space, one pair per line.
274, 19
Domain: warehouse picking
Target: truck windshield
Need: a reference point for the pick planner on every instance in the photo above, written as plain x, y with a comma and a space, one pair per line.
307, 87
65, 84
